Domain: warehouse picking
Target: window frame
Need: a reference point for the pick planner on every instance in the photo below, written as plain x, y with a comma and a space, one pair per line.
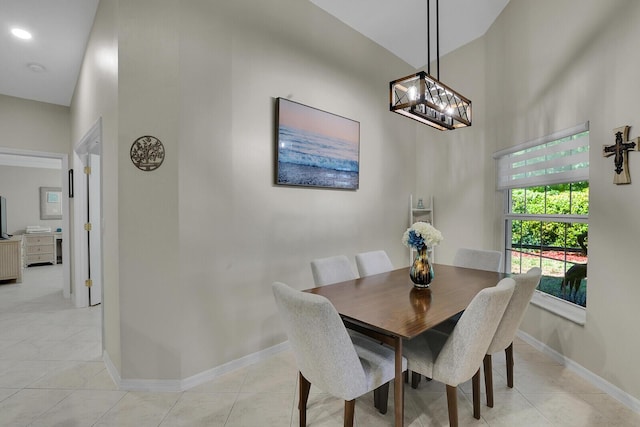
558, 306
553, 304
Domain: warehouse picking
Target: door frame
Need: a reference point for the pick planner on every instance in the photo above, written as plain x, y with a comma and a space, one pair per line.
64, 178
90, 143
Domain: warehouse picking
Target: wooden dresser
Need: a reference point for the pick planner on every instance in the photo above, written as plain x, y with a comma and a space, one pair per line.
11, 259
39, 248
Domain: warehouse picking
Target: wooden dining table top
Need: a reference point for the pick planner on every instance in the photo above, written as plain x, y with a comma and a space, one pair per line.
389, 301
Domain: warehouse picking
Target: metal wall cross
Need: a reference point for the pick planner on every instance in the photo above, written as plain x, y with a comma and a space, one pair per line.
621, 152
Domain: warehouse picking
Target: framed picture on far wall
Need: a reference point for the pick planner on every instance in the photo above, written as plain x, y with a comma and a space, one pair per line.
316, 148
50, 203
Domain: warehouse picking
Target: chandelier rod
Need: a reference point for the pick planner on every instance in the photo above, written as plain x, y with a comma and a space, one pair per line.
428, 37
438, 38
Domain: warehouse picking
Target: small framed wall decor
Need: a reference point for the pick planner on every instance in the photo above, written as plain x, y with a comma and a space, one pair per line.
50, 203
316, 148
147, 153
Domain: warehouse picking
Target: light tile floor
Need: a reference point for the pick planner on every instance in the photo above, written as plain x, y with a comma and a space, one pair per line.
52, 374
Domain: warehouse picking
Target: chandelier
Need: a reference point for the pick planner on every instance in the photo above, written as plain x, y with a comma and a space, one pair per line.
424, 98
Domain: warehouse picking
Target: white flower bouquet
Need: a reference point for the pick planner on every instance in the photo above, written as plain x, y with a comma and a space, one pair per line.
421, 235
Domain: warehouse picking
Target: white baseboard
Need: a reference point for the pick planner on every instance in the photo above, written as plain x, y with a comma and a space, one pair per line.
111, 369
194, 380
604, 385
247, 360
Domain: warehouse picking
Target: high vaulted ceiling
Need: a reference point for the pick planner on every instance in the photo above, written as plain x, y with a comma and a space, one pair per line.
46, 67
400, 26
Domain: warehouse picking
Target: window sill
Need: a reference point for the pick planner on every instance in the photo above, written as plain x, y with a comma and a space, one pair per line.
562, 308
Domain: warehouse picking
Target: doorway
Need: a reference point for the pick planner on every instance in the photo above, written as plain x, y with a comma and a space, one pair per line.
33, 159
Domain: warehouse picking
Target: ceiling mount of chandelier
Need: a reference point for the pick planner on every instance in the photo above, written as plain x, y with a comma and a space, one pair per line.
424, 98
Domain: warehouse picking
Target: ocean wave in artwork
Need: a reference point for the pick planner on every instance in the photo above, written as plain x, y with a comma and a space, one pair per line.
327, 157
306, 148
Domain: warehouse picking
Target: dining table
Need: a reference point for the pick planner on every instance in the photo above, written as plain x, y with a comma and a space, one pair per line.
388, 307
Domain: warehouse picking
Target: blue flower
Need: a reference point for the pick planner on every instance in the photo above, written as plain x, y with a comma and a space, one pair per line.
416, 240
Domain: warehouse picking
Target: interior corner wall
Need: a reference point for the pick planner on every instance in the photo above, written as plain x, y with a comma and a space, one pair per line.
452, 165
96, 97
553, 64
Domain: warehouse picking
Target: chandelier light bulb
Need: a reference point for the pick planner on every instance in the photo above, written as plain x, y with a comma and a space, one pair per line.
412, 93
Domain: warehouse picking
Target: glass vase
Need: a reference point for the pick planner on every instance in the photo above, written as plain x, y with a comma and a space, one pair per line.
421, 273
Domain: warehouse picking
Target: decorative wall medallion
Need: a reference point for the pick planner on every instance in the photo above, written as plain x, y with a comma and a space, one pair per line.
147, 153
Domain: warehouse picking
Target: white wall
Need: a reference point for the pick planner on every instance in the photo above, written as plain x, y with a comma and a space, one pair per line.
32, 125
238, 231
21, 187
593, 45
550, 65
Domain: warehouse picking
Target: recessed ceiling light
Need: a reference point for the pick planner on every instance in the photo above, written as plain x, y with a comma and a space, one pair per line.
36, 68
21, 34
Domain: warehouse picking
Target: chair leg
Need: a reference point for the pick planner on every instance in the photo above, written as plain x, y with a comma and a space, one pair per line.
488, 379
305, 386
415, 379
349, 409
509, 353
381, 397
475, 382
452, 404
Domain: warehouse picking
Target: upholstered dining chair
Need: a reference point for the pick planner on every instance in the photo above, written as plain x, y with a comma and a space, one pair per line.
373, 262
455, 358
480, 259
344, 366
336, 269
331, 269
503, 339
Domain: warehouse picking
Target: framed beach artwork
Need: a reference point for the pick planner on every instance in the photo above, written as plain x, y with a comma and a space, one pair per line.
316, 148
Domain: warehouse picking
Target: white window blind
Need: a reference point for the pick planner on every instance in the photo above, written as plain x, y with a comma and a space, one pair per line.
553, 159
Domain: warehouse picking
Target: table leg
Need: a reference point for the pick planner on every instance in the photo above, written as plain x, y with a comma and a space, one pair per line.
398, 385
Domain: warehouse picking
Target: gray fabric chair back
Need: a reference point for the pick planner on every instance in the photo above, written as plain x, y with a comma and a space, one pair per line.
480, 259
374, 262
525, 286
323, 349
332, 269
462, 354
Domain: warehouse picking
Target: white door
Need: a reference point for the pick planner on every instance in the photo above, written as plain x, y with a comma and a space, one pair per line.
94, 235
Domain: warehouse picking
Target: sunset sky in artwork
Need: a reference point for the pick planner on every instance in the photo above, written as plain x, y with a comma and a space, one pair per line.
310, 119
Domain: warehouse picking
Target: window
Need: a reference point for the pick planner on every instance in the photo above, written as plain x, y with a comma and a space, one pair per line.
546, 217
